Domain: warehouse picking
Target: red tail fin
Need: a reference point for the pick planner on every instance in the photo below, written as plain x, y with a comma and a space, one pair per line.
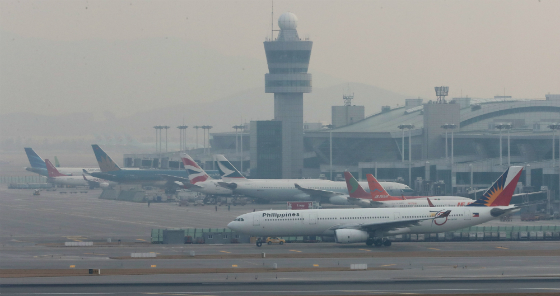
53, 172
430, 202
354, 188
377, 191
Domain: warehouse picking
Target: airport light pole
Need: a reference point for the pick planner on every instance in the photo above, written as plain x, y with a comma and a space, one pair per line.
448, 126
196, 127
502, 126
166, 127
330, 127
409, 127
241, 146
237, 127
206, 129
183, 137
158, 127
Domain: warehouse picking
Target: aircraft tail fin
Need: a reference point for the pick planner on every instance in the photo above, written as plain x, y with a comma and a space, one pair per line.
56, 163
378, 193
34, 159
226, 169
195, 172
354, 188
53, 172
106, 164
501, 192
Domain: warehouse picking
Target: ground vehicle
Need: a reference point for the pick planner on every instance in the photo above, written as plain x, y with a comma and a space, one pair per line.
36, 192
275, 240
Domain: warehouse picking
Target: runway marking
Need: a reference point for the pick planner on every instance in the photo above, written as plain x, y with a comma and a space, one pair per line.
234, 265
502, 248
295, 251
434, 249
225, 252
152, 266
387, 265
72, 266
139, 239
365, 250
315, 265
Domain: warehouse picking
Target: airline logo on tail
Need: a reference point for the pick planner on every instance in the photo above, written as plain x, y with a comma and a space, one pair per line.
376, 190
196, 173
53, 172
502, 190
106, 164
227, 170
354, 188
35, 160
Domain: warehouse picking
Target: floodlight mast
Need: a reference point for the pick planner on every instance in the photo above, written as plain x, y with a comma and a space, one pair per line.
441, 93
408, 127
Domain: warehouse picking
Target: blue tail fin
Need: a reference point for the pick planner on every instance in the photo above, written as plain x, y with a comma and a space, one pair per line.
106, 164
35, 160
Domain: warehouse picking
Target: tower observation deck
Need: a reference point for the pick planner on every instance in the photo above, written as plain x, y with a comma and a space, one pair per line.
288, 60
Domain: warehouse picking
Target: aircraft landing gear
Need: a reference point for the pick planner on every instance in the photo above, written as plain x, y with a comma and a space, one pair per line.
369, 242
387, 243
259, 243
378, 242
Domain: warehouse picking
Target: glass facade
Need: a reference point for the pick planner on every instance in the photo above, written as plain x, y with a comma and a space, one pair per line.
288, 56
269, 150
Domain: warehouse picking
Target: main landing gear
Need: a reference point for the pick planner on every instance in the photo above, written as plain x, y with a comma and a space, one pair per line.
378, 242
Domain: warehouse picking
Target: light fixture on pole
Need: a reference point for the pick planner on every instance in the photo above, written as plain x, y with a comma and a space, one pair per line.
206, 130
158, 128
408, 127
502, 126
182, 137
165, 127
447, 127
196, 127
238, 127
330, 127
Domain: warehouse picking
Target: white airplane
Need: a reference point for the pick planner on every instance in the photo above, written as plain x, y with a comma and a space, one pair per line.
60, 179
97, 182
373, 225
379, 198
38, 166
198, 180
333, 192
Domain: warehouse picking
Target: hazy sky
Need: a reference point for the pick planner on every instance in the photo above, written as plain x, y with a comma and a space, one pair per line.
478, 48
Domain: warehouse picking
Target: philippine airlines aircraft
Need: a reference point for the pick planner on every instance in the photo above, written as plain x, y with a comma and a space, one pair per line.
60, 179
379, 198
198, 180
333, 192
38, 166
373, 225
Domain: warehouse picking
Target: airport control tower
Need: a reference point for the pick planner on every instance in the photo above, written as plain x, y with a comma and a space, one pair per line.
288, 60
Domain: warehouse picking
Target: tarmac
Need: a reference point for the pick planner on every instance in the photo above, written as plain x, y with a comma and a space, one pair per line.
34, 228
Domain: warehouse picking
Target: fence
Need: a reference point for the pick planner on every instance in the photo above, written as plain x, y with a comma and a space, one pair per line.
22, 179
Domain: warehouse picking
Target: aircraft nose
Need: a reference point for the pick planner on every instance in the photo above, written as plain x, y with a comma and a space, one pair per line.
231, 225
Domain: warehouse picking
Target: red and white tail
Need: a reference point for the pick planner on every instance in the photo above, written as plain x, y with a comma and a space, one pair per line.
195, 172
53, 172
377, 192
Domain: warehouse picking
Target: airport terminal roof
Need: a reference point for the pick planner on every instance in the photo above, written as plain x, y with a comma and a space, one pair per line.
389, 121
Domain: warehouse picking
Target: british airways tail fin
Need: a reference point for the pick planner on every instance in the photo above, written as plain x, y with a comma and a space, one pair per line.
227, 170
35, 160
195, 172
53, 172
500, 193
355, 190
378, 193
106, 164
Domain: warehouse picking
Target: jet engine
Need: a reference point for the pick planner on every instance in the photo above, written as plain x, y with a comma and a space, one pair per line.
338, 200
104, 185
348, 236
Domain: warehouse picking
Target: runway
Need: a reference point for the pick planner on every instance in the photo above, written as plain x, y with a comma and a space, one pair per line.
34, 229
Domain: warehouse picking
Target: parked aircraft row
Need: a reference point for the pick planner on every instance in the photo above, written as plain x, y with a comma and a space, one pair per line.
374, 225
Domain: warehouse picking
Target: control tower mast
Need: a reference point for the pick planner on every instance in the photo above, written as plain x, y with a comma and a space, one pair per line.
288, 60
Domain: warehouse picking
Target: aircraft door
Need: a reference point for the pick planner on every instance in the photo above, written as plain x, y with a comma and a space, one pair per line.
313, 218
467, 214
397, 216
256, 221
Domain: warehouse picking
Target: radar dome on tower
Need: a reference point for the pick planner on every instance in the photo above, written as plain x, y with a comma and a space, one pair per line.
287, 21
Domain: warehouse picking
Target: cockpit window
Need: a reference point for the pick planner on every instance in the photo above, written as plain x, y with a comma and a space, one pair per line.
238, 219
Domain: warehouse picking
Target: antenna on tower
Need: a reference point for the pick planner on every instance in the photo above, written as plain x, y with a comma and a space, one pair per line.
441, 93
272, 22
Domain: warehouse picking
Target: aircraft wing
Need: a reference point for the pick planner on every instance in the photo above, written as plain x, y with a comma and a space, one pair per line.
228, 185
185, 181
318, 192
389, 225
